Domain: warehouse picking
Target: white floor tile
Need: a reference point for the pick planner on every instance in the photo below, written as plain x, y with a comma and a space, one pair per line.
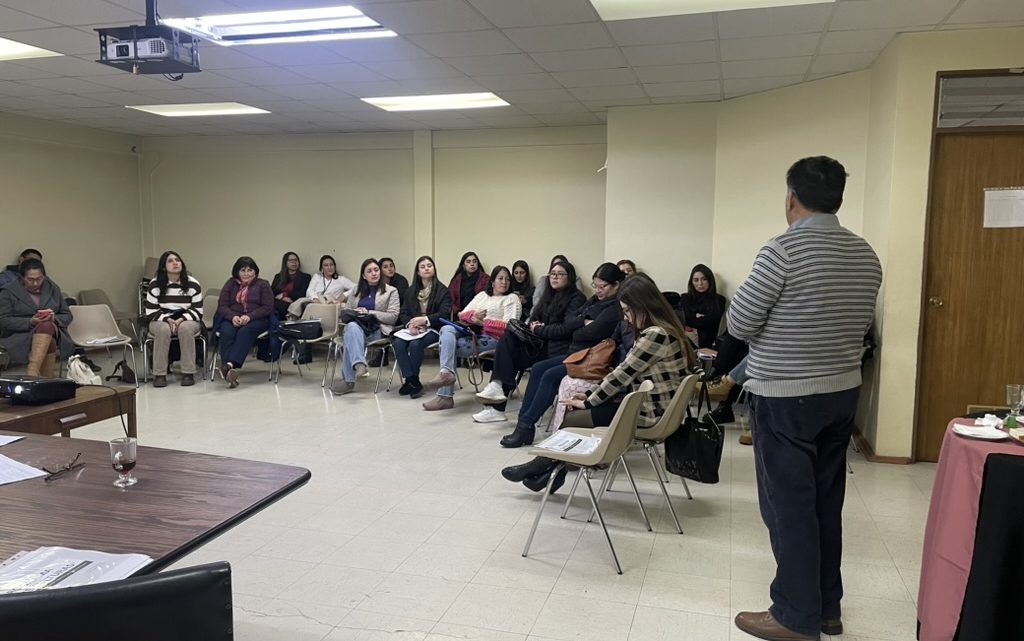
572, 619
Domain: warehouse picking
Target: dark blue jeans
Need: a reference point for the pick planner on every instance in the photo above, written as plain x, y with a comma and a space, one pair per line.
237, 342
409, 354
800, 457
542, 390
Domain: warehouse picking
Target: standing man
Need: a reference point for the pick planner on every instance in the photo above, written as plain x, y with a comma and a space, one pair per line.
804, 309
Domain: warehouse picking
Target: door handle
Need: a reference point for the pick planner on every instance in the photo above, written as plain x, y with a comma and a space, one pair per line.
936, 301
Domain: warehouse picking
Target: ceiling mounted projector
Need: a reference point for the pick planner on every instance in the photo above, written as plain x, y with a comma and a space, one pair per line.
149, 49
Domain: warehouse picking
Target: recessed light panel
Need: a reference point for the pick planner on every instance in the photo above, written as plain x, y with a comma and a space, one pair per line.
632, 9
200, 109
437, 102
274, 27
11, 50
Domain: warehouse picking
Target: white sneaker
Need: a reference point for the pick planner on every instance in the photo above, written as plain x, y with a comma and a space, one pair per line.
492, 393
489, 415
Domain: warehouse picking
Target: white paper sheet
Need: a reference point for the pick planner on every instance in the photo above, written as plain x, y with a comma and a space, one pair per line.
4, 440
1004, 207
563, 441
56, 567
406, 335
12, 471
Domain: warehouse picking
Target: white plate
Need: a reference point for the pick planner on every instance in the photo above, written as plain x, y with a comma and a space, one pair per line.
980, 432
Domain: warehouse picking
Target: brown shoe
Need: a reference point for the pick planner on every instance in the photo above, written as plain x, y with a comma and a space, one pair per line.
188, 380
159, 381
719, 390
746, 438
443, 378
361, 371
764, 626
439, 403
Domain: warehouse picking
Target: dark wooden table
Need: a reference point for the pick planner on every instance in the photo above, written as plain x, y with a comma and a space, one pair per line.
90, 404
182, 499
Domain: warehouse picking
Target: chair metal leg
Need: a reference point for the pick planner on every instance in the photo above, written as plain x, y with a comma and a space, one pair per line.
605, 483
664, 490
135, 367
394, 368
572, 492
380, 368
661, 471
540, 510
600, 518
636, 492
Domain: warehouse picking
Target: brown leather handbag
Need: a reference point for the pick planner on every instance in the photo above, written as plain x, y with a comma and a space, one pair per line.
592, 363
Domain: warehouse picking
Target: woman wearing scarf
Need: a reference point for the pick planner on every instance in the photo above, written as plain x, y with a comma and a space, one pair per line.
702, 307
469, 280
244, 309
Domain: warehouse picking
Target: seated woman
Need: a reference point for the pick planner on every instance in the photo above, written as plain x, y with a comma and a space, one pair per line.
627, 266
522, 286
487, 313
371, 298
174, 308
245, 305
289, 284
560, 302
34, 319
661, 354
595, 321
542, 281
468, 281
702, 307
426, 302
326, 286
393, 278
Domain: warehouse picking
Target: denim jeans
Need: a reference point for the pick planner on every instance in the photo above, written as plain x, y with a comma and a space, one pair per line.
237, 342
542, 389
455, 345
355, 349
409, 354
800, 458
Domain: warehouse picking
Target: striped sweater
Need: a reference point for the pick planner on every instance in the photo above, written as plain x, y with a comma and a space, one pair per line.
656, 356
805, 308
189, 300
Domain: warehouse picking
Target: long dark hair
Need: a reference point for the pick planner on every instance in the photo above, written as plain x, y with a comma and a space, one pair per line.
161, 278
609, 273
244, 261
710, 275
494, 276
648, 307
555, 302
527, 282
461, 269
321, 268
283, 277
363, 288
417, 282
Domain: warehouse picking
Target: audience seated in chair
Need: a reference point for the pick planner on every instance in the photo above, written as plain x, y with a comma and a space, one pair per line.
543, 281
174, 309
523, 287
702, 307
627, 267
11, 273
426, 302
289, 284
34, 318
378, 308
326, 286
469, 280
393, 278
485, 316
245, 306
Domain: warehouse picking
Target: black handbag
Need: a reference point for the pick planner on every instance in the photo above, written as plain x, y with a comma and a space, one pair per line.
694, 451
301, 329
368, 322
522, 331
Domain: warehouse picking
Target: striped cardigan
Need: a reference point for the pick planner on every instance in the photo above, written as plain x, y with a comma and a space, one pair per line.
187, 299
804, 309
656, 356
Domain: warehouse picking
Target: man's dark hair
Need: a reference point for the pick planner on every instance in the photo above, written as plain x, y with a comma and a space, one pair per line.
818, 183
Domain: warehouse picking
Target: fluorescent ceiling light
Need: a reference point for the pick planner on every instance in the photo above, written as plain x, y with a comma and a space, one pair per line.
268, 27
437, 102
200, 109
631, 9
11, 50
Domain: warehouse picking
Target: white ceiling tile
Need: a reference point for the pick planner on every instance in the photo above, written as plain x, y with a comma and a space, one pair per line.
596, 77
698, 88
538, 95
119, 98
349, 107
217, 57
369, 89
14, 71
206, 79
14, 103
312, 91
60, 39
770, 47
411, 69
244, 95
554, 107
376, 49
997, 122
678, 73
66, 85
744, 86
513, 120
569, 119
177, 96
439, 85
978, 25
518, 82
843, 62
580, 60
284, 55
12, 20
266, 76
857, 41
766, 68
506, 64
465, 43
68, 100
426, 16
988, 11
672, 100
81, 12
672, 54
778, 21
23, 89
886, 14
615, 93
130, 82
70, 66
663, 30
346, 72
526, 13
589, 35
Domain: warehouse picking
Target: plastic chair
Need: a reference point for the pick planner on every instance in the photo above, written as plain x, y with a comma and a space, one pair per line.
192, 603
615, 440
93, 326
338, 346
327, 314
147, 346
99, 297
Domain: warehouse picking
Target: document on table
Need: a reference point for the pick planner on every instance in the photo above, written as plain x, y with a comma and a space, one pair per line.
12, 471
56, 567
568, 442
4, 440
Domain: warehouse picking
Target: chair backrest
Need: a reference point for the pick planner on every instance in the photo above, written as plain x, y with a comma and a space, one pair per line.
623, 426
209, 310
327, 313
89, 322
149, 269
673, 416
192, 603
94, 297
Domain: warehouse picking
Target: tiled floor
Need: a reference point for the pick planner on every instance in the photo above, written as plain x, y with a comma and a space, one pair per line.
407, 531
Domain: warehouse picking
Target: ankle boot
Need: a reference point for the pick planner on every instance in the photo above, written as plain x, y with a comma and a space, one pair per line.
38, 351
538, 483
49, 365
520, 437
539, 465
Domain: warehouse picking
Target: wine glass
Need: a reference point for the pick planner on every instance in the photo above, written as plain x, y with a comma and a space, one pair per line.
122, 459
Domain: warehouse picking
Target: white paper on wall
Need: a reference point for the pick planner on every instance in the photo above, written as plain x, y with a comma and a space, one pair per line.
1004, 207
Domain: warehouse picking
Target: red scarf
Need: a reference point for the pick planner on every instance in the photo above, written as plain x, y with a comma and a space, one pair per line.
242, 298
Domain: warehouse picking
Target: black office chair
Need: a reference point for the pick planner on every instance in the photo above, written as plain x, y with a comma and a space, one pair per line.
181, 605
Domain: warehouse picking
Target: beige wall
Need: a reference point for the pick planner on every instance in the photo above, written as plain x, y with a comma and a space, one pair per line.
71, 192
661, 189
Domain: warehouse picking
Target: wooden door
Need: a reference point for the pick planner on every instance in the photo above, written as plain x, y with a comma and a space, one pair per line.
973, 320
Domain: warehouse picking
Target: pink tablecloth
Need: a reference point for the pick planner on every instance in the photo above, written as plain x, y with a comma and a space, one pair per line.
949, 536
